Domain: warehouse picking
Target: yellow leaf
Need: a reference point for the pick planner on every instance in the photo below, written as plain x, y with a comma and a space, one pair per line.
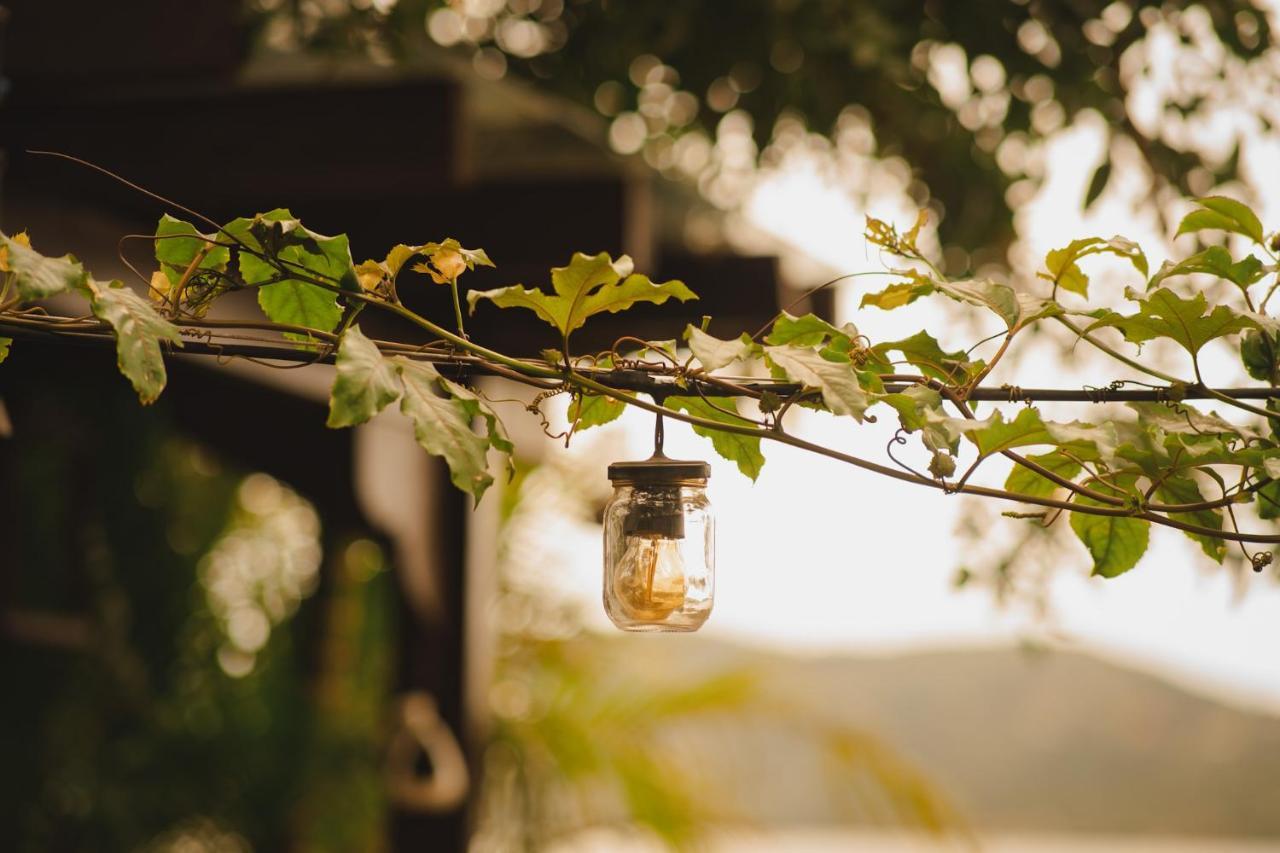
450, 263
910, 237
22, 238
160, 286
370, 275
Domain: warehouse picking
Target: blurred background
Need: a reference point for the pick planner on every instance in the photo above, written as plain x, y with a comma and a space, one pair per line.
226, 628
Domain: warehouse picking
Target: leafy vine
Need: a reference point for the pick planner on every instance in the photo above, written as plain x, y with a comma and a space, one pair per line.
1169, 465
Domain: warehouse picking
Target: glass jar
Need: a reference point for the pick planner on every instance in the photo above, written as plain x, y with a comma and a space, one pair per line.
659, 546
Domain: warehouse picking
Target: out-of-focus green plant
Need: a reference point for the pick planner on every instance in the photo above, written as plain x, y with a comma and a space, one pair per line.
158, 694
597, 732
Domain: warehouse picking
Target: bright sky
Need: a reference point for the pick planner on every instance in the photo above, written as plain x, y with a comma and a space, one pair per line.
819, 556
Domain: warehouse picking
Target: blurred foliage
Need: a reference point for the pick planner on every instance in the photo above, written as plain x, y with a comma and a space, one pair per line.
123, 727
592, 732
1024, 69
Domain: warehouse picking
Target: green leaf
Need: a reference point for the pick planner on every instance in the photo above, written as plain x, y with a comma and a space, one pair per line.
898, 294
923, 352
912, 404
837, 380
1184, 490
1116, 543
1165, 314
919, 408
300, 304
442, 418
714, 353
742, 449
1222, 214
36, 276
1259, 352
1215, 261
5, 345
807, 331
1184, 419
365, 382
1024, 481
995, 434
178, 243
1098, 182
478, 408
292, 300
1269, 501
591, 410
1065, 272
590, 284
999, 298
139, 331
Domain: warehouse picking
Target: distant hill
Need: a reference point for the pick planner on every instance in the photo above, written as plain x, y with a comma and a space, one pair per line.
1047, 741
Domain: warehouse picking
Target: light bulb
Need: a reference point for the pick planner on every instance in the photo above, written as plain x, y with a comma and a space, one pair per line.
649, 580
659, 546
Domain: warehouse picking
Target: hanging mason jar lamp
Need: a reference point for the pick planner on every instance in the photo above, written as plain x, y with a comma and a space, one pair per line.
659, 544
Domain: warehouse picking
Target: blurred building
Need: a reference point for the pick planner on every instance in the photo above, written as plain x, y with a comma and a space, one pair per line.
169, 96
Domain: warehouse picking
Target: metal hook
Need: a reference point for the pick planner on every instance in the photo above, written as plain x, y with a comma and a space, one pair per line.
421, 730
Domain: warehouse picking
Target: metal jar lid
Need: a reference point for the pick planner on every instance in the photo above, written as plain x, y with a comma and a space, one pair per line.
658, 471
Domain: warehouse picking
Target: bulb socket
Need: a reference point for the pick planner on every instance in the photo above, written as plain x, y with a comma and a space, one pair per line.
665, 521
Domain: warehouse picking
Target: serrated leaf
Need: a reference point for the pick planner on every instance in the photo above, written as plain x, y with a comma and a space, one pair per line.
1219, 213
592, 410
364, 384
139, 331
996, 297
912, 404
442, 424
1165, 314
495, 431
995, 434
36, 276
20, 238
292, 300
590, 284
744, 450
923, 352
898, 294
178, 243
300, 304
1024, 481
1115, 543
919, 408
807, 331
1215, 261
999, 298
1179, 489
837, 380
1064, 270
713, 353
1185, 419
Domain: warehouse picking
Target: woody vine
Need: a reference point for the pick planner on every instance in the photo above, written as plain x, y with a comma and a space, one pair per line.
1168, 463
